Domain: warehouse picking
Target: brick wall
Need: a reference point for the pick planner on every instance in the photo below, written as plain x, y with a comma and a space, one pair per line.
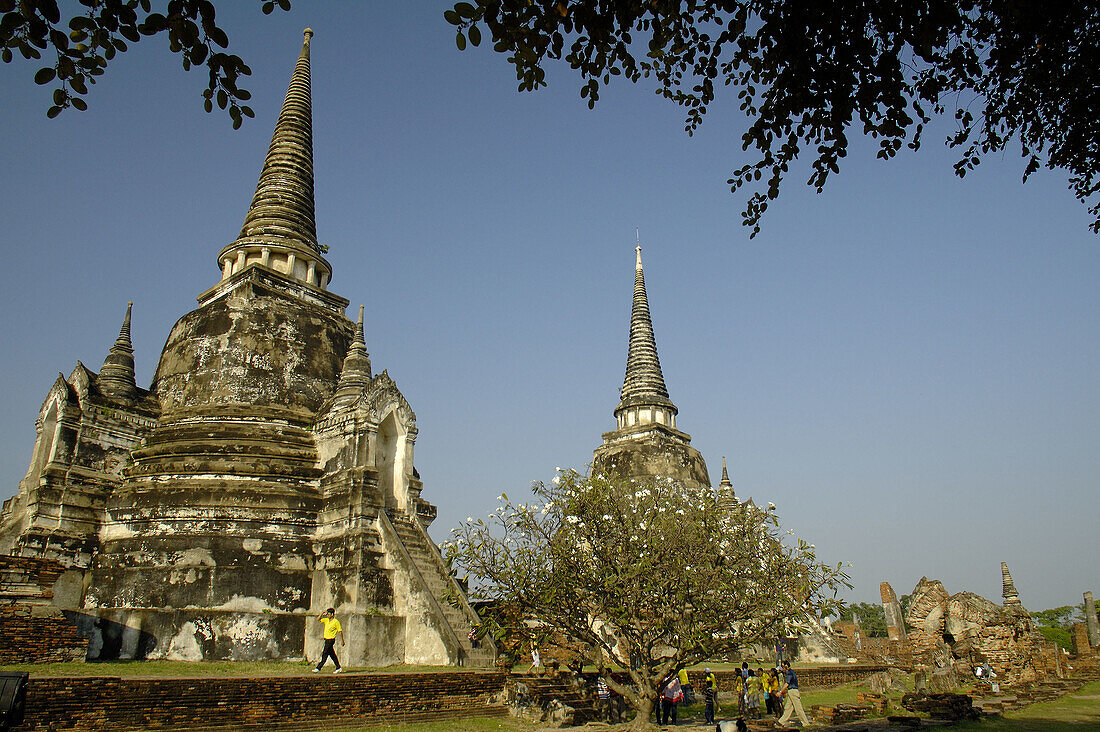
300, 702
32, 630
816, 677
86, 704
38, 634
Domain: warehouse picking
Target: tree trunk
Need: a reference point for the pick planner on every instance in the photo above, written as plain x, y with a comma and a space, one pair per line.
644, 709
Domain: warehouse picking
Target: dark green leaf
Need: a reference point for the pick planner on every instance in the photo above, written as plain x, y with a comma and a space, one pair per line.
79, 103
452, 17
460, 41
45, 75
466, 10
475, 35
53, 112
217, 35
50, 10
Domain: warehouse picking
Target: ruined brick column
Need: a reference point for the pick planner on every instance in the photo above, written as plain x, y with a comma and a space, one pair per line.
895, 625
1090, 618
1008, 588
1080, 637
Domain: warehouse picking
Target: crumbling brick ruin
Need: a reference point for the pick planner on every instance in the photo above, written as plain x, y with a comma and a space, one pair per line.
956, 633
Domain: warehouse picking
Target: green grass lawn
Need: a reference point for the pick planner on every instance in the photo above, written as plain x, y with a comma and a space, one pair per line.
1079, 712
1076, 712
172, 669
473, 724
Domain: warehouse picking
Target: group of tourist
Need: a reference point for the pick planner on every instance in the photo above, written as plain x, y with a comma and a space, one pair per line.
757, 692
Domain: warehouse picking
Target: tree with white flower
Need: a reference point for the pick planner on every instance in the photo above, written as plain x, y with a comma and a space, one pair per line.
653, 576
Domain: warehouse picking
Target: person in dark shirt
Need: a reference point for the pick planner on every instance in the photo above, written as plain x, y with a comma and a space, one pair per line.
793, 697
710, 693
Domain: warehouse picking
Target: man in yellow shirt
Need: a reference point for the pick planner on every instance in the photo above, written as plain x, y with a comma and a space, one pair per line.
332, 631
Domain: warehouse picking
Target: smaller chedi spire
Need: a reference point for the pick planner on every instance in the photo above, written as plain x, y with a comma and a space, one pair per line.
1008, 587
116, 378
725, 476
726, 497
280, 230
356, 373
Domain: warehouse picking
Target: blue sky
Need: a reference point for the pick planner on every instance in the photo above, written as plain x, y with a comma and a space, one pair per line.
905, 364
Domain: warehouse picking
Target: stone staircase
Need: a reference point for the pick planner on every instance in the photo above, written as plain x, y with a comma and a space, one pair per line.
1022, 695
430, 565
545, 690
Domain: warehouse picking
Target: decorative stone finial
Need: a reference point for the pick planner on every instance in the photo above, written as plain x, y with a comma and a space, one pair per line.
116, 378
638, 257
308, 33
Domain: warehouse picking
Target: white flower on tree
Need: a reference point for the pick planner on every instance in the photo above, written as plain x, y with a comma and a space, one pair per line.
650, 578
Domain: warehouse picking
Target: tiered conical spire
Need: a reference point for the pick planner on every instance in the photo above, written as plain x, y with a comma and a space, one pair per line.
644, 383
725, 476
283, 204
726, 496
116, 378
280, 230
356, 374
1008, 587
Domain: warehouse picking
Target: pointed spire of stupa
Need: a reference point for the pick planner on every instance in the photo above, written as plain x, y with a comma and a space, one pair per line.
280, 231
355, 375
1008, 587
644, 384
116, 378
726, 497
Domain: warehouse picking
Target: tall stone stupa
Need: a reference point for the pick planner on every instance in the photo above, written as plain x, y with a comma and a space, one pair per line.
646, 442
266, 473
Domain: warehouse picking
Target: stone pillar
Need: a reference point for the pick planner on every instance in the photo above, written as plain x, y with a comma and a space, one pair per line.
1090, 619
895, 624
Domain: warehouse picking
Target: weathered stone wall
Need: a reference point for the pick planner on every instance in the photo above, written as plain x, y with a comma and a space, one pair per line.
83, 443
87, 704
253, 345
649, 451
